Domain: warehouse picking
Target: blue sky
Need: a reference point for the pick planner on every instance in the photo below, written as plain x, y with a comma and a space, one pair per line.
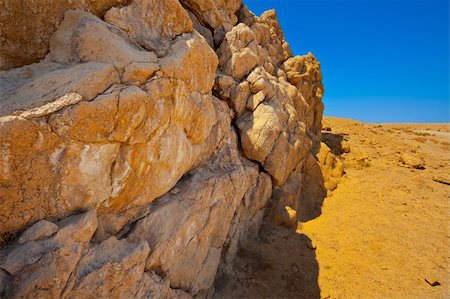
382, 61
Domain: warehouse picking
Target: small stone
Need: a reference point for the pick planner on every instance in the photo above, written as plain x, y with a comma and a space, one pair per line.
40, 230
175, 191
77, 228
412, 161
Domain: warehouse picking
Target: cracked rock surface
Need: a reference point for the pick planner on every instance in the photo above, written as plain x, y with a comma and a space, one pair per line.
147, 144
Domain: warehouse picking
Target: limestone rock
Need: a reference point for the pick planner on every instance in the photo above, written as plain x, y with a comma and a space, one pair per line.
116, 145
238, 52
26, 27
288, 198
412, 160
186, 242
58, 264
274, 130
77, 228
40, 230
139, 72
192, 60
153, 286
151, 24
114, 268
259, 131
308, 185
220, 15
332, 167
84, 37
36, 85
304, 72
202, 29
74, 229
175, 124
273, 134
58, 255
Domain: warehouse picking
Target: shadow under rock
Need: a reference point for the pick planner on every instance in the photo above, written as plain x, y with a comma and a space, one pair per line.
314, 192
334, 142
280, 263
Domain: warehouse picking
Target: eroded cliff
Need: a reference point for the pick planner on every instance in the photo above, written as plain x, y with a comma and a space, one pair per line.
147, 145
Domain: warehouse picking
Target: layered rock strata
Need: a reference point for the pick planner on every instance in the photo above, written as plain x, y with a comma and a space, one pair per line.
147, 145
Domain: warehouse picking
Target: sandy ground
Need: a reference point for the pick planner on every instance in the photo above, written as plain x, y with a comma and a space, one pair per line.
382, 233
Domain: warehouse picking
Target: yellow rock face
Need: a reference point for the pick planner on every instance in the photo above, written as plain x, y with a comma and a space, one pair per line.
26, 27
116, 145
143, 150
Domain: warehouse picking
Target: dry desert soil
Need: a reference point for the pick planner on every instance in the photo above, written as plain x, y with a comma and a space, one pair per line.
383, 233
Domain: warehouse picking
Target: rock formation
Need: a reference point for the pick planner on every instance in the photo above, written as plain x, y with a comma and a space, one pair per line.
147, 145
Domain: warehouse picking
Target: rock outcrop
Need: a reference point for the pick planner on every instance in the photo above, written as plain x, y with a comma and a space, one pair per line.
147, 145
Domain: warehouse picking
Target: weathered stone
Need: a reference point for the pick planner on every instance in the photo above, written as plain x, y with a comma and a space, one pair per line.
153, 286
76, 229
139, 72
238, 53
307, 186
58, 104
85, 181
412, 160
147, 170
304, 72
202, 29
239, 96
254, 100
26, 27
28, 177
151, 24
120, 119
112, 116
58, 263
185, 240
40, 230
284, 215
259, 131
83, 37
247, 220
118, 224
219, 15
114, 268
332, 167
79, 141
49, 81
192, 60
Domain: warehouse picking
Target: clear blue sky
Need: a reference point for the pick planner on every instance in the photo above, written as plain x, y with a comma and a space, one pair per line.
382, 61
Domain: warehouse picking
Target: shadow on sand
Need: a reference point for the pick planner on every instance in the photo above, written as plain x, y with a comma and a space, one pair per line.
313, 191
279, 264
